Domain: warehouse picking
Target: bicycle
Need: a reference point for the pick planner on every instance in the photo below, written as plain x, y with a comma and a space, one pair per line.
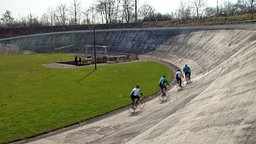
179, 86
164, 97
188, 80
137, 106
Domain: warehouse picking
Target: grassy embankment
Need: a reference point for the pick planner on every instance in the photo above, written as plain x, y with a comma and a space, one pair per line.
234, 19
35, 99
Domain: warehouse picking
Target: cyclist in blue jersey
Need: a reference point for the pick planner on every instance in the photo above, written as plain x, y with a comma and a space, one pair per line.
162, 85
187, 72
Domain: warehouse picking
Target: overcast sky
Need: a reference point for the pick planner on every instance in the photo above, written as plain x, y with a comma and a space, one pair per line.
21, 8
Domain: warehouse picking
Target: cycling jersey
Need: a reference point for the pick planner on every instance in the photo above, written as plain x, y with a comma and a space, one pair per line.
162, 81
178, 74
135, 91
186, 69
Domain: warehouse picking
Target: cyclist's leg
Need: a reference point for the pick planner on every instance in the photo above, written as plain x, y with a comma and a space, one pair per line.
162, 89
132, 107
133, 98
180, 82
165, 88
177, 80
187, 76
137, 99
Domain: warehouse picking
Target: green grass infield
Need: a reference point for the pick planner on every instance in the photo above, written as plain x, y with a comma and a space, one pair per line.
35, 99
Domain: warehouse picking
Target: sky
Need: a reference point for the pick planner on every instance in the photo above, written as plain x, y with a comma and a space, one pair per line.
22, 8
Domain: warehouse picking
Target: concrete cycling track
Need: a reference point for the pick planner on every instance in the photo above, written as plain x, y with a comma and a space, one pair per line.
218, 107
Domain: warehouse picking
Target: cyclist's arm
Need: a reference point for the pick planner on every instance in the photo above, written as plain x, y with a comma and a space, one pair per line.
167, 82
141, 94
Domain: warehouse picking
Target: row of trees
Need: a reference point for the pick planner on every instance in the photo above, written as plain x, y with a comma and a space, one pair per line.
125, 11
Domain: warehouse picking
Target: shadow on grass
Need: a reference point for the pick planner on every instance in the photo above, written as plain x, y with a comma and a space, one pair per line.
78, 81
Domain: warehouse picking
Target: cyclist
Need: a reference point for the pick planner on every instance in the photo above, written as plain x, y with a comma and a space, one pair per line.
135, 94
178, 77
162, 85
187, 72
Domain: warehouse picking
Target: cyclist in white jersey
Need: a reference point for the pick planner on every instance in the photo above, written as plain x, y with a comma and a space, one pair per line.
178, 76
135, 94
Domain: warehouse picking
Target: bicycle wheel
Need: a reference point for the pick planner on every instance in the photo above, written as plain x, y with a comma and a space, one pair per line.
165, 97
141, 104
179, 88
132, 108
187, 79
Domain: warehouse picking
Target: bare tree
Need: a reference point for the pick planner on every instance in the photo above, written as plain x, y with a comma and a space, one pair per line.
52, 16
146, 11
61, 14
75, 12
250, 4
210, 12
198, 4
127, 10
217, 7
7, 18
136, 10
90, 15
102, 10
45, 20
32, 20
118, 11
111, 10
228, 8
225, 8
87, 16
184, 11
107, 8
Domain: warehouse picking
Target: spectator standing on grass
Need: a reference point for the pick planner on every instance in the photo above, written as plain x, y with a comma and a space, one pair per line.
80, 61
76, 61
